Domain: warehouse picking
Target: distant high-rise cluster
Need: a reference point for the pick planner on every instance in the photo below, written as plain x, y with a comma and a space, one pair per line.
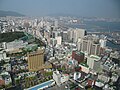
74, 34
57, 51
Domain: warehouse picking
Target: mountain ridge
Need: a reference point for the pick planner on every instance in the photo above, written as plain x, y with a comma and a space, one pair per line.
9, 13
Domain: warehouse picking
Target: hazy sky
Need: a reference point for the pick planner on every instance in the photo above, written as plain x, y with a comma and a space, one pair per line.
101, 8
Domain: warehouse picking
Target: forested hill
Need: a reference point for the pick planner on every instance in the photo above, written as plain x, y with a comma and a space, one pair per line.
10, 36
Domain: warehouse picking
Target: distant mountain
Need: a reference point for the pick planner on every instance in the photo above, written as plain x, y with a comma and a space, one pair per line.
9, 13
59, 14
63, 14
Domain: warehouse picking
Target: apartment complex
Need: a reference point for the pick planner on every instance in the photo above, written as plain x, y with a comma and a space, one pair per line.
36, 60
89, 45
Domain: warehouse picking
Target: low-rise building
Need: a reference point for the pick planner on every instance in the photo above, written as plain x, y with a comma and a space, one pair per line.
99, 83
5, 77
107, 66
84, 68
3, 55
16, 45
115, 55
64, 78
103, 77
8, 67
57, 77
60, 78
78, 56
77, 75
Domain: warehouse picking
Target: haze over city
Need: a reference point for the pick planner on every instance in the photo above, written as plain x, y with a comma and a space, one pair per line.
89, 8
59, 44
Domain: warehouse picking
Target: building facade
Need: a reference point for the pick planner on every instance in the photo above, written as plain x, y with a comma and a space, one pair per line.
36, 60
74, 34
93, 62
78, 56
88, 45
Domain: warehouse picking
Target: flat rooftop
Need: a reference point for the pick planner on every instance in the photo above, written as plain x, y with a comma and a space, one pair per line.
95, 57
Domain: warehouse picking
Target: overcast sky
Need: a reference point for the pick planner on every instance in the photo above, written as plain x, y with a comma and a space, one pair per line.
100, 8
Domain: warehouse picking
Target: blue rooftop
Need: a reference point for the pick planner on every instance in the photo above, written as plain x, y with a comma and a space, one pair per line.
41, 86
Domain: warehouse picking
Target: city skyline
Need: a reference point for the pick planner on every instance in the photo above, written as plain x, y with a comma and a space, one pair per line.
92, 8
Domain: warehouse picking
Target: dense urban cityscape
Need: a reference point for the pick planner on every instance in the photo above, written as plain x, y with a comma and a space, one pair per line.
59, 45
46, 53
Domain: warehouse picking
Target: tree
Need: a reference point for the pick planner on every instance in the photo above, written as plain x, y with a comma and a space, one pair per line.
2, 62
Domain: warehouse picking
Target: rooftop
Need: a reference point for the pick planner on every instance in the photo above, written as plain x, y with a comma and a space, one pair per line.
80, 53
41, 86
84, 64
95, 57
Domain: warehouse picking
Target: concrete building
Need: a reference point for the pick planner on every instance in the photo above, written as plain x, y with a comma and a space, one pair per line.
115, 55
64, 78
93, 62
88, 45
56, 23
77, 75
4, 45
95, 49
84, 68
107, 66
70, 34
74, 34
16, 44
103, 77
103, 43
53, 41
8, 67
78, 33
78, 56
36, 60
65, 36
59, 40
2, 55
56, 34
57, 77
60, 78
47, 36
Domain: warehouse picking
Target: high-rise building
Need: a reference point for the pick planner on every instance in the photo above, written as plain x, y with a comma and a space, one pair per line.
88, 45
35, 22
95, 49
93, 62
59, 40
64, 36
56, 34
78, 33
103, 43
70, 35
47, 36
74, 34
56, 23
36, 60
